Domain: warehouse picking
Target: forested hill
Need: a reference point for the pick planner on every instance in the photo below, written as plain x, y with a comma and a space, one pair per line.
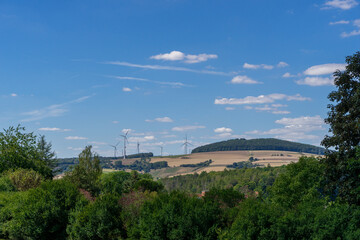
259, 144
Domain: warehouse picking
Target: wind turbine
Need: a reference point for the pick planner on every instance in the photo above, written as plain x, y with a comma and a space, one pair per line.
186, 144
138, 147
125, 140
115, 148
161, 149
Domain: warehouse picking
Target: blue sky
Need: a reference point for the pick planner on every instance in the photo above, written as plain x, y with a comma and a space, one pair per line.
83, 72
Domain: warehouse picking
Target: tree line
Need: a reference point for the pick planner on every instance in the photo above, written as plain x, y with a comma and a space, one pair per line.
259, 144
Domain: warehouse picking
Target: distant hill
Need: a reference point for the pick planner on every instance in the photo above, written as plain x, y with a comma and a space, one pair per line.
259, 144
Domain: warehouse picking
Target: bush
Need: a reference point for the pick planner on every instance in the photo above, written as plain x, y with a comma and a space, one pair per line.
25, 179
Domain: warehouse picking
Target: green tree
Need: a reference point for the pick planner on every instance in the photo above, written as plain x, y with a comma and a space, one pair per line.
47, 155
19, 150
86, 173
178, 216
40, 213
341, 170
98, 220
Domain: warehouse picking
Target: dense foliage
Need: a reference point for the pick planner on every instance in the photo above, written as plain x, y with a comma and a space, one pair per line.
200, 164
259, 144
244, 180
21, 150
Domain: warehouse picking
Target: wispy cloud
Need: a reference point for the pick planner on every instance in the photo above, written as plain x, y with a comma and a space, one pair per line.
261, 99
174, 84
260, 66
75, 138
186, 128
265, 66
341, 4
160, 119
273, 108
244, 80
55, 110
180, 56
53, 129
339, 22
170, 68
355, 32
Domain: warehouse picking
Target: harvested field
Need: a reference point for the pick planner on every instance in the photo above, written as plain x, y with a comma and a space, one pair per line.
222, 158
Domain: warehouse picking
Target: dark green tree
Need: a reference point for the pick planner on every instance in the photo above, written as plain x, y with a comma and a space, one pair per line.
40, 213
86, 173
342, 168
47, 154
98, 220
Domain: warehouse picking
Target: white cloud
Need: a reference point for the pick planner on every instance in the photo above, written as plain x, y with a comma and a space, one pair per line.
339, 22
288, 75
186, 128
142, 139
223, 130
55, 110
342, 4
75, 149
170, 68
126, 89
305, 123
282, 64
188, 58
356, 23
199, 58
295, 128
229, 108
271, 109
323, 69
98, 143
53, 129
160, 119
126, 130
316, 81
172, 56
13, 95
350, 34
260, 66
243, 80
280, 112
115, 122
260, 99
75, 138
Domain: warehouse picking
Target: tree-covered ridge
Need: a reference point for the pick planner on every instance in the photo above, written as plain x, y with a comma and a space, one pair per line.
259, 144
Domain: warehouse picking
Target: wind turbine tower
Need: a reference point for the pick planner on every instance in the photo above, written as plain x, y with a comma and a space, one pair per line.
125, 141
115, 148
186, 144
161, 150
138, 147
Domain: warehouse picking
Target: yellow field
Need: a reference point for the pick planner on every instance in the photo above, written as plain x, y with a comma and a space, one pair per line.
223, 158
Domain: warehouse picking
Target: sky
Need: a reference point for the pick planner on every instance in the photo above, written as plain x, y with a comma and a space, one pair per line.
86, 72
